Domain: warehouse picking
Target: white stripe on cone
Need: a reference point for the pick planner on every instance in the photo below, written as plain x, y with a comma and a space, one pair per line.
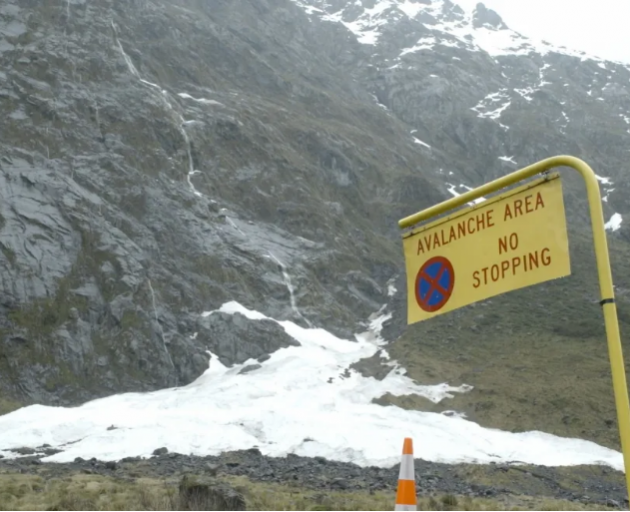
407, 470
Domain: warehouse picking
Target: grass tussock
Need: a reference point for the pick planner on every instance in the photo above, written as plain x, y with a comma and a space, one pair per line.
93, 492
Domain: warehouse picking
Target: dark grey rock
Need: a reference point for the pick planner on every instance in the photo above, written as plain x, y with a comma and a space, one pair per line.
51, 451
160, 451
484, 16
250, 368
375, 366
24, 450
236, 339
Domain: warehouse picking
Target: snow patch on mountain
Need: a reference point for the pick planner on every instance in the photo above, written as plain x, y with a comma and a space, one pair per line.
607, 194
204, 101
425, 43
614, 223
474, 29
526, 93
418, 141
509, 159
493, 105
452, 189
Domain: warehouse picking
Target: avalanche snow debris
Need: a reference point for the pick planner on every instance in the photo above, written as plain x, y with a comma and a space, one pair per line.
294, 395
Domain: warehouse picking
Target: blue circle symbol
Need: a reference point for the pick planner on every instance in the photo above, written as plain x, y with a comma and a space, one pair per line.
434, 284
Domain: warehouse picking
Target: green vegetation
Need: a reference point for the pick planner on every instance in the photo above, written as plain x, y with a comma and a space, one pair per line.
94, 492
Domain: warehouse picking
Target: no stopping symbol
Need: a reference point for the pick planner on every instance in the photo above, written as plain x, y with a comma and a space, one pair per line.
434, 284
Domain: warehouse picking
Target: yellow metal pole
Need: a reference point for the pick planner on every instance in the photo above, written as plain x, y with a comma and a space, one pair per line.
615, 353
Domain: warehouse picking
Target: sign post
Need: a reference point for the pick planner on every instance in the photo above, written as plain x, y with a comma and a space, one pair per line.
514, 240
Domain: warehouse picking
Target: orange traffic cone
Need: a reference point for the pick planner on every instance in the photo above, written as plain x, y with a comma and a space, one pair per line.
406, 495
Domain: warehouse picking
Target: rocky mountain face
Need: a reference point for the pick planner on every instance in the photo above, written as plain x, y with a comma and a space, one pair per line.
160, 158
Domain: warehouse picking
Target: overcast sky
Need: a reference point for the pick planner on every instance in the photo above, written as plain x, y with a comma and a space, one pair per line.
599, 27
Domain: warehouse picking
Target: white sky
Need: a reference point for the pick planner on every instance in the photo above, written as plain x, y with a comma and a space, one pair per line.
599, 28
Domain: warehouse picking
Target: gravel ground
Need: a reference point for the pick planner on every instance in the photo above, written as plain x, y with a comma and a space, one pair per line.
585, 484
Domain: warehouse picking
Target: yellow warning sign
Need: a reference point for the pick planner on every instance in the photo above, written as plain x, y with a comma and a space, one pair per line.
514, 240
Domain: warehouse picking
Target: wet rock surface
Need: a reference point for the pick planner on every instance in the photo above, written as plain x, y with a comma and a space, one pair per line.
139, 189
585, 484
